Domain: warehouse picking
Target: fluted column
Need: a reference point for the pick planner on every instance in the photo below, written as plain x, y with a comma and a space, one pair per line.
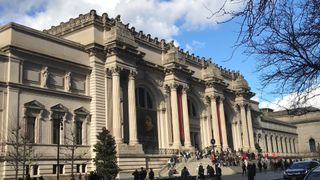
175, 117
235, 136
250, 128
187, 142
116, 117
245, 137
223, 124
215, 124
133, 138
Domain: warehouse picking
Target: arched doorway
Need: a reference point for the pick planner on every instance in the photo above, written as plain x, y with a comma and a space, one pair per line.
312, 145
146, 120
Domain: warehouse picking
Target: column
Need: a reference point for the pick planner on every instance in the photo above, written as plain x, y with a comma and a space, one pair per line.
235, 136
133, 138
116, 118
187, 142
215, 124
280, 145
223, 124
250, 128
208, 125
269, 144
175, 117
244, 127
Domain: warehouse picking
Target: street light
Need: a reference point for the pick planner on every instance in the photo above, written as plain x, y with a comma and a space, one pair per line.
57, 116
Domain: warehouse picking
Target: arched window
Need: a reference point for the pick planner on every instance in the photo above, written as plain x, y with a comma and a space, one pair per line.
192, 109
312, 145
143, 98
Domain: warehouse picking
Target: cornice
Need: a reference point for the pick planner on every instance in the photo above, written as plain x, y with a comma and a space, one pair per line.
45, 56
42, 35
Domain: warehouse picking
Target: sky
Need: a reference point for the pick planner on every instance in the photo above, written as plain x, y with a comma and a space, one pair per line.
184, 21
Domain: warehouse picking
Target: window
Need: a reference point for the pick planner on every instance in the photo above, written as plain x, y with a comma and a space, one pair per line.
143, 98
79, 132
35, 169
27, 170
84, 168
30, 129
55, 131
191, 109
312, 145
54, 169
78, 168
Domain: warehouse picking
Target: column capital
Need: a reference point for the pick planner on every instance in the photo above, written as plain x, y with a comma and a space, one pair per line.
185, 89
132, 74
115, 71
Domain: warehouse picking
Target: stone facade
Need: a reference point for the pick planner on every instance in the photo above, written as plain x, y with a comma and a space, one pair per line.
94, 71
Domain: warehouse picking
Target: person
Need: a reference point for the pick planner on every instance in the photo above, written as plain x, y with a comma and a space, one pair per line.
260, 166
200, 172
185, 174
265, 166
135, 175
142, 174
210, 171
80, 176
151, 174
218, 172
251, 171
244, 169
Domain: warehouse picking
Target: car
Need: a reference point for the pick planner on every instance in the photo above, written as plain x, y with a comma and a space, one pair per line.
298, 170
313, 174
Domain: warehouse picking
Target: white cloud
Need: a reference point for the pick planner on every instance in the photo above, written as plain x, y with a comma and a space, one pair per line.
195, 45
289, 101
164, 19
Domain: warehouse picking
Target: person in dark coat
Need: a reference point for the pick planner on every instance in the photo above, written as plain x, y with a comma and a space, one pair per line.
251, 171
260, 166
210, 171
142, 174
185, 174
201, 172
218, 172
151, 174
135, 175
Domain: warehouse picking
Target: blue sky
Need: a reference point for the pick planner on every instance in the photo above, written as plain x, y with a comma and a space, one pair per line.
184, 21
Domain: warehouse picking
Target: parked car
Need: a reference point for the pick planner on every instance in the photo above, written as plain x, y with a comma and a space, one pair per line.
298, 170
313, 174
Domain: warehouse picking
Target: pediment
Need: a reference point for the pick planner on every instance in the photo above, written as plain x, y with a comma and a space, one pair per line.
59, 108
34, 105
81, 111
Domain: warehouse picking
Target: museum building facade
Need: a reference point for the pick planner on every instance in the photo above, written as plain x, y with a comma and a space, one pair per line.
63, 85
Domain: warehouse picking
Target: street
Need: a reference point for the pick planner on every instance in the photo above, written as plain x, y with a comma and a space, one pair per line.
270, 175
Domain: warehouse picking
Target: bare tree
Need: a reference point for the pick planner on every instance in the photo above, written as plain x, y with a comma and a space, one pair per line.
74, 149
21, 152
285, 36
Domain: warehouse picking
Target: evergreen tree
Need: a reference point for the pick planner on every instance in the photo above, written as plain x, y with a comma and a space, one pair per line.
105, 159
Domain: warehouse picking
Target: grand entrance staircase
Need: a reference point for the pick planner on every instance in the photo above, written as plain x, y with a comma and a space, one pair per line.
192, 165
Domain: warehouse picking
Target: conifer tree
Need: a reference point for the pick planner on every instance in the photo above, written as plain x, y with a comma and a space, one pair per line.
105, 160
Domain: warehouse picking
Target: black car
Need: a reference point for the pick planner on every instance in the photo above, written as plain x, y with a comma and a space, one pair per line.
314, 174
299, 170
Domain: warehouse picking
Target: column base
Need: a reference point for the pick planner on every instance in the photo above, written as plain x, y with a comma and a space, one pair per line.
129, 149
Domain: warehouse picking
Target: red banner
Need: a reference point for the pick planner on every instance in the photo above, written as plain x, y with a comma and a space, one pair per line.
180, 114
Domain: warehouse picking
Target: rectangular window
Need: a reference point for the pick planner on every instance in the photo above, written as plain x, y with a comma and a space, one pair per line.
84, 168
35, 170
55, 131
54, 169
27, 170
61, 169
79, 132
30, 129
78, 168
